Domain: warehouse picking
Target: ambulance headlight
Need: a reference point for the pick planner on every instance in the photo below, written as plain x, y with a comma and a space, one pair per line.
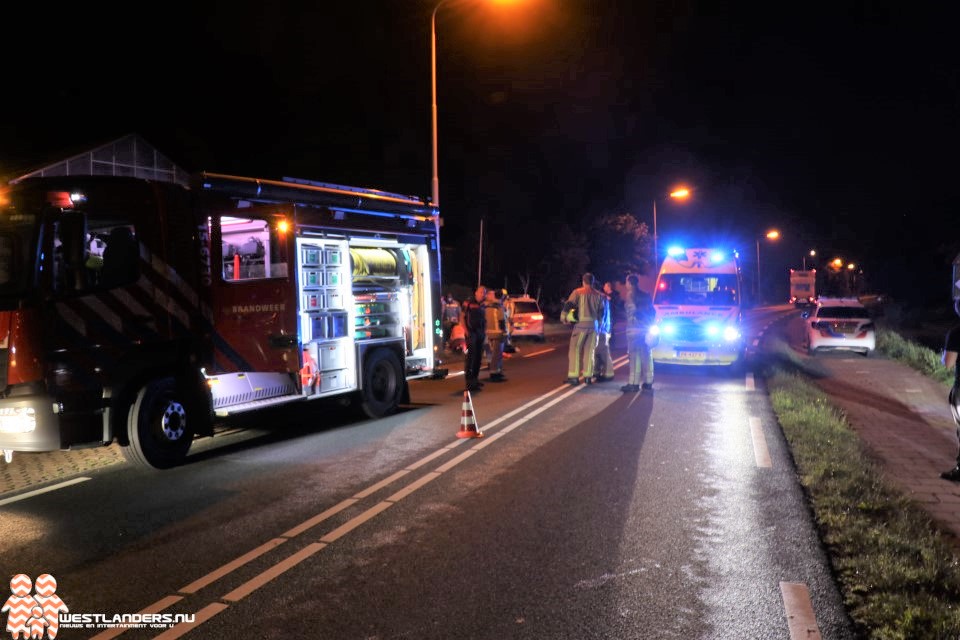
668, 328
731, 333
17, 420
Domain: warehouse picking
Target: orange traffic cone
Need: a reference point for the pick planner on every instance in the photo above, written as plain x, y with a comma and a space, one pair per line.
468, 423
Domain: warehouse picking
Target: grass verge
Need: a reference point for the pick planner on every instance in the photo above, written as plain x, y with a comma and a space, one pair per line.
914, 354
899, 574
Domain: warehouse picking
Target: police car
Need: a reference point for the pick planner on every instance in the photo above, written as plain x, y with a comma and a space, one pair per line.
526, 319
840, 324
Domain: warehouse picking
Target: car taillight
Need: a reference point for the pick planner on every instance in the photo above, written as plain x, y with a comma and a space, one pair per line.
537, 316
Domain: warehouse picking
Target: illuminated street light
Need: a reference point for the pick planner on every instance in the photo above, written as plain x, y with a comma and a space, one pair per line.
812, 254
679, 194
773, 234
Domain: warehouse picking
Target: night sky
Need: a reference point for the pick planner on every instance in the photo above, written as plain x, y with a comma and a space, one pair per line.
836, 123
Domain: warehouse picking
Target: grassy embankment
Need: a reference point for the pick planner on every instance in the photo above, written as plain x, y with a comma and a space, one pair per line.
899, 574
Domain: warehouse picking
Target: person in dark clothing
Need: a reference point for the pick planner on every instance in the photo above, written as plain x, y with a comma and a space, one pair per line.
473, 320
951, 348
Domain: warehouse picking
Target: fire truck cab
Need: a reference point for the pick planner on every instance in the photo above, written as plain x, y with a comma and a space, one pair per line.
139, 311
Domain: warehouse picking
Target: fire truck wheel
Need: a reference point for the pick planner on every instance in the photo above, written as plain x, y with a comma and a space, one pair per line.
382, 383
157, 426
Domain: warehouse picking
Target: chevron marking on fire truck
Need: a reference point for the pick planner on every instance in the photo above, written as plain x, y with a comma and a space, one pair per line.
174, 278
130, 302
104, 312
72, 319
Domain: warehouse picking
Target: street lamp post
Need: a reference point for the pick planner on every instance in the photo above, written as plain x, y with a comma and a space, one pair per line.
812, 254
435, 180
773, 234
679, 194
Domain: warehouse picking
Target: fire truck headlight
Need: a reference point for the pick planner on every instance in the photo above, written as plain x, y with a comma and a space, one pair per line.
17, 420
730, 334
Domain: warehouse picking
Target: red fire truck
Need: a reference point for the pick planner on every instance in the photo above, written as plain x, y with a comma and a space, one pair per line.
141, 311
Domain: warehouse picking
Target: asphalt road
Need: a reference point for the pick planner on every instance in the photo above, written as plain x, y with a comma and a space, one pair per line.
582, 513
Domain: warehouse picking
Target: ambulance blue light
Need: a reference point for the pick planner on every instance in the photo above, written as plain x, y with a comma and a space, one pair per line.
674, 252
717, 256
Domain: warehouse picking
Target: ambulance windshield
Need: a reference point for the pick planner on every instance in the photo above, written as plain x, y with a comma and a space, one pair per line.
697, 289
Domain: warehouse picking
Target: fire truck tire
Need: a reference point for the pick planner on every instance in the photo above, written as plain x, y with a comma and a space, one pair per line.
383, 383
158, 430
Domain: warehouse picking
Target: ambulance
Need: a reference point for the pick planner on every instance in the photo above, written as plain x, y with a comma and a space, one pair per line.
698, 297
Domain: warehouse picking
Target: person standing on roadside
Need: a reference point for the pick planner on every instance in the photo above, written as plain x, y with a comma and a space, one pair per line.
640, 315
473, 321
951, 348
495, 317
604, 364
588, 304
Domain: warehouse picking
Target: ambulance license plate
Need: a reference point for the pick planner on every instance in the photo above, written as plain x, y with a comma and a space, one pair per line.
691, 355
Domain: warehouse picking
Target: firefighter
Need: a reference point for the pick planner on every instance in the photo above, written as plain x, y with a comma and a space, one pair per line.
640, 314
587, 302
474, 324
496, 321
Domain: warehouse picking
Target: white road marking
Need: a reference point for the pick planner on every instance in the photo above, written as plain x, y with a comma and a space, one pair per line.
37, 492
749, 382
760, 452
537, 353
801, 620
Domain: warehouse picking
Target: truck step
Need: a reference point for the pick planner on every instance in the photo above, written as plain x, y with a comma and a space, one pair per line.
223, 412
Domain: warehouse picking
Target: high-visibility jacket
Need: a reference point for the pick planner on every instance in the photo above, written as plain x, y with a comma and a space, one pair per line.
589, 305
495, 318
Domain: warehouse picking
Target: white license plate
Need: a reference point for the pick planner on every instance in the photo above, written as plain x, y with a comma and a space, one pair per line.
691, 355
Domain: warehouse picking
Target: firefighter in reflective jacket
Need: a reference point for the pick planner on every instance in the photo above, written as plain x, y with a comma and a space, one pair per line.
496, 319
587, 302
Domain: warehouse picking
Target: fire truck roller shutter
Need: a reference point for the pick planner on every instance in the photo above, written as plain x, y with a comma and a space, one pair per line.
418, 339
373, 262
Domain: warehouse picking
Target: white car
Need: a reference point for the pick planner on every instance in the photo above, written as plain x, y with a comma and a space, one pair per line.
526, 319
840, 324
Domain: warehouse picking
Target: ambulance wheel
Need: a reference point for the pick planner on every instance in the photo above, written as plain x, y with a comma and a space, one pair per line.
383, 383
158, 431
